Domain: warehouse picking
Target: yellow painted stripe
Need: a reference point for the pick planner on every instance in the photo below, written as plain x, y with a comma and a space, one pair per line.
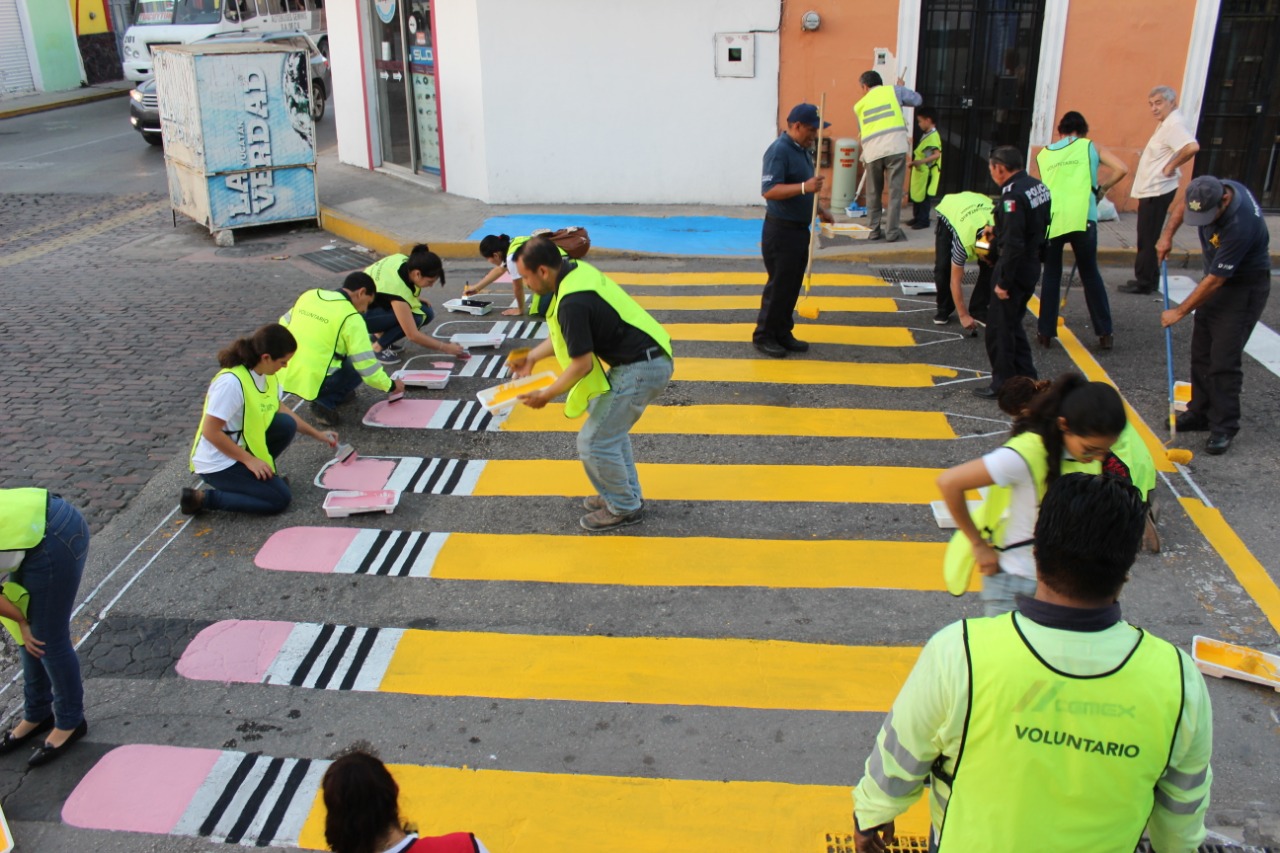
753, 420
663, 481
652, 670
515, 812
801, 371
679, 279
865, 304
694, 561
860, 336
1248, 571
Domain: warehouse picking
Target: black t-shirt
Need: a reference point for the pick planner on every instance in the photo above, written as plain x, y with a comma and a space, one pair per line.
592, 325
1238, 242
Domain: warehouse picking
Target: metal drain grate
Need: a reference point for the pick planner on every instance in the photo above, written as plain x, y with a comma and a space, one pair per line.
339, 260
843, 843
919, 275
1145, 847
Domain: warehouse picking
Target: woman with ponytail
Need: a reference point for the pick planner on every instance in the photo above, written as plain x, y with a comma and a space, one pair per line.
243, 429
1068, 427
400, 311
499, 250
362, 813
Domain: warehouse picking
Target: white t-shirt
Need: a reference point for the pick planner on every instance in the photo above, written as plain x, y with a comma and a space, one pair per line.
225, 402
409, 840
1007, 468
1171, 136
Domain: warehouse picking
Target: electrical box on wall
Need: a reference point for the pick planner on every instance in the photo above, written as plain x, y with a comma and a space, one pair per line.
885, 64
735, 54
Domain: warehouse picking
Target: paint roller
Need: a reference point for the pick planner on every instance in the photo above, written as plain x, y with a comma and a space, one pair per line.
811, 312
1177, 455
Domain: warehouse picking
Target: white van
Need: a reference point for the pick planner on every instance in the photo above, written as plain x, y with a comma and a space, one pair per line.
185, 21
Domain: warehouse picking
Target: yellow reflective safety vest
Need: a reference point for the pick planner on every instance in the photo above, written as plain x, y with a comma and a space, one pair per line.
316, 321
538, 303
1054, 762
386, 275
1069, 177
585, 277
1132, 451
22, 518
260, 408
968, 213
924, 179
992, 516
879, 113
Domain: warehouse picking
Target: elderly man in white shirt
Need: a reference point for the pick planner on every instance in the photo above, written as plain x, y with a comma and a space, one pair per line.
1156, 182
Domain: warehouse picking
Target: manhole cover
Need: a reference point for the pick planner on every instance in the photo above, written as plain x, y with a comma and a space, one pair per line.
339, 260
919, 275
250, 250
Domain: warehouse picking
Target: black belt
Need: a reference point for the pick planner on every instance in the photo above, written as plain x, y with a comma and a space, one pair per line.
651, 354
786, 223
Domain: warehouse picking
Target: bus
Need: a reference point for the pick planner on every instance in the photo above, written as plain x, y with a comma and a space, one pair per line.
184, 21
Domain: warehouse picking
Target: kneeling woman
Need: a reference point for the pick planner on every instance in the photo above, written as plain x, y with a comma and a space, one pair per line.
244, 429
1068, 428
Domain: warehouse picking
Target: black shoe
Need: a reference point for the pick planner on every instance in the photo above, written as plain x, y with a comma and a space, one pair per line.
794, 345
191, 501
1044, 341
1191, 422
942, 318
325, 416
1105, 342
9, 743
987, 393
46, 753
1137, 287
771, 348
1217, 444
919, 226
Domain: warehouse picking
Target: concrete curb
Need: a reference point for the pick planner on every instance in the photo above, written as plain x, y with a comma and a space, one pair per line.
66, 102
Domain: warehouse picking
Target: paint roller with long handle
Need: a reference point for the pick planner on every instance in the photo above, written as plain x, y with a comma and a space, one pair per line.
1176, 455
806, 311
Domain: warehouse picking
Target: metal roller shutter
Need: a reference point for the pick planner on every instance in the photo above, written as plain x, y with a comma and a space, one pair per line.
15, 68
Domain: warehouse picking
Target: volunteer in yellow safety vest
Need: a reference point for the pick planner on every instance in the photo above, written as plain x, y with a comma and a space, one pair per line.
961, 218
1070, 427
400, 311
885, 143
334, 354
1057, 728
926, 167
499, 250
243, 429
592, 322
1069, 168
43, 544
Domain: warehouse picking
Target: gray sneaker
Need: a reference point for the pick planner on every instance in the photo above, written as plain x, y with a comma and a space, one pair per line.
603, 519
595, 502
387, 357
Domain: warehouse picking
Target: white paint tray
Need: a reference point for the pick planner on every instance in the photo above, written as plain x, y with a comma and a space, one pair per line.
942, 515
478, 307
472, 340
1227, 660
342, 503
841, 233
918, 288
423, 378
502, 398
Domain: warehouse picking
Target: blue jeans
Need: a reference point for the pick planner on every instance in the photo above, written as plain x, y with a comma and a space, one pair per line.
604, 442
337, 385
51, 573
235, 489
385, 326
1085, 246
1000, 590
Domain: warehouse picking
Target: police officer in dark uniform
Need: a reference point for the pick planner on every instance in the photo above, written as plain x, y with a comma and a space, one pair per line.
1020, 232
788, 185
1227, 302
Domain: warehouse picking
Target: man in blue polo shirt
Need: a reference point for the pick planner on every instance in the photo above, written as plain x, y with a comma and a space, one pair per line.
788, 185
1227, 302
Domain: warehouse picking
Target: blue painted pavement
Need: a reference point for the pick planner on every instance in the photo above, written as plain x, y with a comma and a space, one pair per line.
670, 235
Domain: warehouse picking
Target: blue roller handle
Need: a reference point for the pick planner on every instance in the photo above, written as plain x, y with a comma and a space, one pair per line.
1168, 344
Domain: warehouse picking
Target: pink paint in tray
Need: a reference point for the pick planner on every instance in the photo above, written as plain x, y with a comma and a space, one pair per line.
340, 504
424, 378
363, 472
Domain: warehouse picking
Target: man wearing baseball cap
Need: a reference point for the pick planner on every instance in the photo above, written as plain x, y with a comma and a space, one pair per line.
1227, 302
788, 185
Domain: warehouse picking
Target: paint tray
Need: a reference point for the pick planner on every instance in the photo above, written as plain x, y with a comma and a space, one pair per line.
472, 340
422, 378
1181, 396
942, 515
340, 504
1227, 660
478, 307
841, 233
501, 398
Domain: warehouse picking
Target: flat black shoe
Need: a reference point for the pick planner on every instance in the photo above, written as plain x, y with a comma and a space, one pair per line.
9, 743
1135, 287
773, 349
1217, 444
794, 345
1188, 422
987, 393
46, 753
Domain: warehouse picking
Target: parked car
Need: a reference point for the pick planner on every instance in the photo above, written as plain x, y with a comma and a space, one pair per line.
144, 109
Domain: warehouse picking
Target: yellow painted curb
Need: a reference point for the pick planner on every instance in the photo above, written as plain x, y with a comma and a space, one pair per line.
56, 105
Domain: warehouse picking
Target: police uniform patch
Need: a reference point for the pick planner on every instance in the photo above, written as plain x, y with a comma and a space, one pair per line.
1010, 205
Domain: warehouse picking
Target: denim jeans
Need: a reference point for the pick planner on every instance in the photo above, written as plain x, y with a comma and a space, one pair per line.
1000, 590
235, 489
337, 385
385, 325
1085, 246
604, 442
886, 171
51, 573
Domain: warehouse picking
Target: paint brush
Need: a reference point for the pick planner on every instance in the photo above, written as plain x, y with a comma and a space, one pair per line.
344, 454
395, 396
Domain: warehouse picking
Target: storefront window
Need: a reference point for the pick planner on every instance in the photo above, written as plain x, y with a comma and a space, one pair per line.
404, 74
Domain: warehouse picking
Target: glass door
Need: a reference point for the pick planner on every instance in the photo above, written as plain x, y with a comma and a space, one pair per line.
422, 70
391, 82
1239, 131
978, 61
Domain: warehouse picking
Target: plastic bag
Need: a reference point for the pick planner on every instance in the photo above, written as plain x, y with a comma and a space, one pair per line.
1107, 211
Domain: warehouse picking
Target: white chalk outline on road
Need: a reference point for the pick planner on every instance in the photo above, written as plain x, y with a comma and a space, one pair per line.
1264, 343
